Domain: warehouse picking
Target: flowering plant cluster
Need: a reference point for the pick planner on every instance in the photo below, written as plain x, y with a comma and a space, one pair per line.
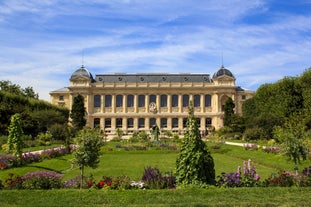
153, 179
42, 180
247, 178
271, 149
9, 161
35, 180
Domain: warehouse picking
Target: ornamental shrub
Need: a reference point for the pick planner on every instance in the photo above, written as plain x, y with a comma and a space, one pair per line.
247, 178
194, 163
14, 182
42, 180
153, 179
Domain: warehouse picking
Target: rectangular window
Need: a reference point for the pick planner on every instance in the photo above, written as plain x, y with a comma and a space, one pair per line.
130, 123
153, 98
108, 100
96, 122
174, 100
107, 123
130, 100
196, 101
152, 122
141, 123
61, 98
163, 122
243, 97
141, 101
208, 122
119, 101
97, 101
119, 122
185, 100
163, 100
184, 122
208, 100
175, 123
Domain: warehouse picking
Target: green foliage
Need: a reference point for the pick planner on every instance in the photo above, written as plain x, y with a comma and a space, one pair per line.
78, 112
87, 153
228, 112
273, 103
45, 138
293, 136
194, 162
37, 115
15, 142
255, 133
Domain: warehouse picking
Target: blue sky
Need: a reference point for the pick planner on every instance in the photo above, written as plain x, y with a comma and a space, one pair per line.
259, 41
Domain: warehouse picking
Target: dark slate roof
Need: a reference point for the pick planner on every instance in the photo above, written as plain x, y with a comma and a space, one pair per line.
82, 72
133, 78
223, 71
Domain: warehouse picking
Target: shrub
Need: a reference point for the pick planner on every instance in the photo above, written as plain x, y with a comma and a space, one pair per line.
271, 149
55, 152
76, 182
42, 180
249, 146
153, 179
247, 178
253, 134
14, 182
282, 179
122, 182
8, 161
31, 157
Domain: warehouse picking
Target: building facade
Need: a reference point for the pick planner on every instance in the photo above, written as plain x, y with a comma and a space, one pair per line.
137, 102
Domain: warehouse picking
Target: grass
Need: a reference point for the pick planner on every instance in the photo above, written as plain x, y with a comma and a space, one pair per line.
116, 161
180, 197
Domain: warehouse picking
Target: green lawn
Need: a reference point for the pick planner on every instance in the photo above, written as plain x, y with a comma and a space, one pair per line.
180, 197
132, 163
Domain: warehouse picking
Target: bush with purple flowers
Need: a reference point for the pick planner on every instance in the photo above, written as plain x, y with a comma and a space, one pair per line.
42, 180
249, 146
153, 179
247, 178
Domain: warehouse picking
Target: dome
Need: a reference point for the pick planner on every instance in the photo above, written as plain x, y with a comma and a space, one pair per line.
223, 71
82, 72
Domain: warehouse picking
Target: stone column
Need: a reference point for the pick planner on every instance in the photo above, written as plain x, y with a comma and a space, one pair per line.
102, 103
113, 103
169, 103
180, 103
202, 104
135, 103
124, 103
147, 103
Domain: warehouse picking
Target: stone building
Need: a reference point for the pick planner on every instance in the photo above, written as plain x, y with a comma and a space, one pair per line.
137, 102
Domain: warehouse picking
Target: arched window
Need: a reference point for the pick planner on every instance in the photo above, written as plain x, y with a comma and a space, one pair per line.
185, 100
208, 100
174, 100
175, 123
130, 123
141, 100
96, 122
163, 99
107, 100
130, 100
141, 123
196, 100
119, 101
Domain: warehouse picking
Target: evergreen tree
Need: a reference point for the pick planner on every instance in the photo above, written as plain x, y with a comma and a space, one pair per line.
194, 164
15, 141
229, 112
78, 112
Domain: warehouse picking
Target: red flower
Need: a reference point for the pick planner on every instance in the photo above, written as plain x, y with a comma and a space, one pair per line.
2, 166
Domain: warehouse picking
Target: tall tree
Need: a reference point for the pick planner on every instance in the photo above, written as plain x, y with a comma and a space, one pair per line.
87, 153
15, 138
228, 112
194, 163
78, 112
293, 136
